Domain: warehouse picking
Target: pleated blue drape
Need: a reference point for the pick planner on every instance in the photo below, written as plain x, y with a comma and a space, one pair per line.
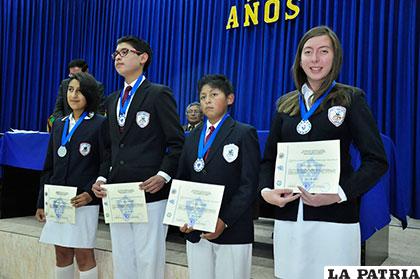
380, 39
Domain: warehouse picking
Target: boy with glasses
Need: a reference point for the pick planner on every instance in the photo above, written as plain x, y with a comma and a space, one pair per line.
146, 142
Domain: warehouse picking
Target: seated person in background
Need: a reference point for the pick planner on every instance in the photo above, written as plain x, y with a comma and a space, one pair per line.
194, 117
62, 107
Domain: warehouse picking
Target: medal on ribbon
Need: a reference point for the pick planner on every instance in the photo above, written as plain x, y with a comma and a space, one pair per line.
62, 150
121, 120
123, 108
199, 164
304, 126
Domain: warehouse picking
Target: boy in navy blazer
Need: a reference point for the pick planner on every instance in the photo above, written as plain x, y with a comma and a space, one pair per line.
146, 142
232, 160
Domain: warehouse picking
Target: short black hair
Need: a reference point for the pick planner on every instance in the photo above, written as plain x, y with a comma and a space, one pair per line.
89, 89
78, 63
140, 45
216, 81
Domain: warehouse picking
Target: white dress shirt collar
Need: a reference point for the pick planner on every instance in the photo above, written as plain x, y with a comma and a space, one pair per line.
307, 93
214, 125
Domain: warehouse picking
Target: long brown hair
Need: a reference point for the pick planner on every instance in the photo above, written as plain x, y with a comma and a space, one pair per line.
289, 103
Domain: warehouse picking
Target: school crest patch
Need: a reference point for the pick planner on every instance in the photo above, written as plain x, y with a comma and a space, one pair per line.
230, 152
336, 115
142, 118
84, 148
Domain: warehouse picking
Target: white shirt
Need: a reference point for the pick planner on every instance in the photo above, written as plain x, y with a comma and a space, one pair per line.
73, 121
214, 125
307, 93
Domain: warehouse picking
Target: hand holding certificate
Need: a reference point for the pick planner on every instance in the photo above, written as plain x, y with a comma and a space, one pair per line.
124, 203
57, 204
195, 204
313, 165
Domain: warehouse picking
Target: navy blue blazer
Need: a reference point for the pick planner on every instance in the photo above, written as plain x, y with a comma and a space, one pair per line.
151, 139
240, 178
358, 128
86, 158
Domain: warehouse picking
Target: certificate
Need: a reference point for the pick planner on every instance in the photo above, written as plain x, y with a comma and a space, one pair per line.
57, 205
313, 165
124, 203
195, 204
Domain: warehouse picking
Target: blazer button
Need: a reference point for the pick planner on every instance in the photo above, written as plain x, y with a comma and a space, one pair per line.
121, 162
122, 145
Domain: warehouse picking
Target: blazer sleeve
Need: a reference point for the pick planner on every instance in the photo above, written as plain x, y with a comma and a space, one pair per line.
104, 144
247, 191
105, 149
59, 103
183, 172
48, 169
266, 178
368, 141
165, 107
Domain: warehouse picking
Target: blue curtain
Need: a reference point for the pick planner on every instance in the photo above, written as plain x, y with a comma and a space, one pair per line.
380, 39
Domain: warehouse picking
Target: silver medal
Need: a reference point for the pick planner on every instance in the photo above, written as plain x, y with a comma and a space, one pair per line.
121, 120
62, 151
303, 127
199, 165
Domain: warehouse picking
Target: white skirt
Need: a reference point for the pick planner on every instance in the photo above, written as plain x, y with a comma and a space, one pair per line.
303, 248
82, 234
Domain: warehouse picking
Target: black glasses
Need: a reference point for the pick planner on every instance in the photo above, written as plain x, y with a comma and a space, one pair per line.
123, 52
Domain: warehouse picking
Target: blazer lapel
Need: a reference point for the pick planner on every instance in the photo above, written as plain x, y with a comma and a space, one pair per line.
135, 104
112, 114
224, 131
194, 146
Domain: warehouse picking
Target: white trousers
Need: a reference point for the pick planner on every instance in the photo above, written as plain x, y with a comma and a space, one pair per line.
138, 250
207, 260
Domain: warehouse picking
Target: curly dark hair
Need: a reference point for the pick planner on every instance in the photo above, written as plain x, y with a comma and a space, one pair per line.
89, 89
